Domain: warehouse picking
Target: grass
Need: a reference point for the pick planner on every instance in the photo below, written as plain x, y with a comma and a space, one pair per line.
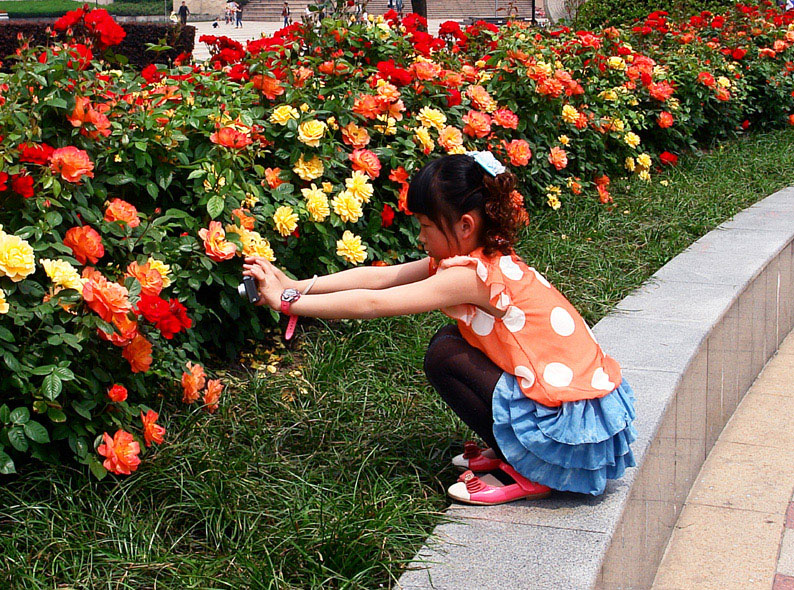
56, 8
330, 472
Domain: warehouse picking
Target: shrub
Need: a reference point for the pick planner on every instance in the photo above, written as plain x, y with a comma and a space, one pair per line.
596, 14
128, 197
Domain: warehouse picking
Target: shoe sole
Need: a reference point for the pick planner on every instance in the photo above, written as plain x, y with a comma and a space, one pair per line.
528, 497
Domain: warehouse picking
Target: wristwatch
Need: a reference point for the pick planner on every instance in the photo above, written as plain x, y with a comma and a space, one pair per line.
288, 297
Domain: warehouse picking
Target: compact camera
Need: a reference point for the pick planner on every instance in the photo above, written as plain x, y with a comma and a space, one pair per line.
247, 289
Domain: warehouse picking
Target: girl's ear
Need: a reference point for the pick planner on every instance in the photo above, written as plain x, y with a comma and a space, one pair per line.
468, 225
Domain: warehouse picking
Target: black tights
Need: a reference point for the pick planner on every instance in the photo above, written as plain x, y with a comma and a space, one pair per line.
465, 378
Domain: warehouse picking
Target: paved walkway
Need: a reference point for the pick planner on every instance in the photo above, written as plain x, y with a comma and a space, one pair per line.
249, 31
736, 530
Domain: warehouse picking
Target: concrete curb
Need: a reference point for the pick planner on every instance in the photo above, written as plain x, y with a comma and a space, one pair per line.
691, 342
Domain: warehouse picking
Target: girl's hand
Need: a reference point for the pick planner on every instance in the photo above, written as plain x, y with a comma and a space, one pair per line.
267, 284
284, 280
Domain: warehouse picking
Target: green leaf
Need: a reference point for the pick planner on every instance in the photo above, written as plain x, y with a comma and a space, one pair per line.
36, 432
12, 363
20, 416
63, 373
83, 409
215, 206
52, 386
5, 414
152, 189
56, 415
120, 179
42, 370
6, 335
6, 464
16, 436
53, 218
97, 469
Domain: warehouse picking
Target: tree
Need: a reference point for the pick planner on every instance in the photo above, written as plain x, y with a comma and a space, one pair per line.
420, 7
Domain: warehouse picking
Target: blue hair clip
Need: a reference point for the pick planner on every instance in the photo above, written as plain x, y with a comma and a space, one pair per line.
489, 163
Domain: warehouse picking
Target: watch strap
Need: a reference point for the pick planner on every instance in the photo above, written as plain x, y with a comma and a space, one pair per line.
293, 321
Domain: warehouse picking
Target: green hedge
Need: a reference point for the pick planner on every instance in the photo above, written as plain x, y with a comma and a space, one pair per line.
601, 13
56, 8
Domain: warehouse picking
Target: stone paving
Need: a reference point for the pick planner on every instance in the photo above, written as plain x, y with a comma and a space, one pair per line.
736, 530
249, 31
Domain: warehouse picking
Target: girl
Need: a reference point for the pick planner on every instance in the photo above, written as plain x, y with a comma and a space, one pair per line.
520, 367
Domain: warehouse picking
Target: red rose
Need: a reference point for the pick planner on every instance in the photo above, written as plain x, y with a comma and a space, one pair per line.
738, 53
386, 216
22, 184
35, 153
453, 99
4, 180
668, 159
153, 308
180, 312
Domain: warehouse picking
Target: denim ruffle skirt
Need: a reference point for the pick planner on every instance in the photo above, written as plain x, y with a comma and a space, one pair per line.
575, 447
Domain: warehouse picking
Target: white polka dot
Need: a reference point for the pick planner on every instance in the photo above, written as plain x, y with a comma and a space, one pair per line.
557, 375
540, 278
526, 375
482, 272
514, 319
510, 269
503, 301
561, 322
601, 380
482, 324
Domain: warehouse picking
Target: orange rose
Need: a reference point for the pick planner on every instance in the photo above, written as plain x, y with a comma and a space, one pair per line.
243, 220
367, 106
215, 244
71, 163
388, 92
125, 332
558, 158
519, 152
423, 70
152, 433
477, 124
271, 176
480, 99
117, 393
395, 110
150, 279
450, 138
602, 182
123, 211
506, 118
139, 354
121, 453
213, 394
230, 138
268, 85
86, 244
355, 136
665, 120
366, 161
192, 382
106, 299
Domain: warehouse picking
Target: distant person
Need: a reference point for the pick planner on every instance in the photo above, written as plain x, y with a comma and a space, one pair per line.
399, 7
285, 13
239, 14
391, 4
183, 12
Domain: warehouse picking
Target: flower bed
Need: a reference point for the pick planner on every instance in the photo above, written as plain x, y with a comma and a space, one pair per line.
127, 198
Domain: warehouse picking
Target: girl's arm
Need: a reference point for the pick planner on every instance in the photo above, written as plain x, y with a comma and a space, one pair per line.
453, 286
363, 277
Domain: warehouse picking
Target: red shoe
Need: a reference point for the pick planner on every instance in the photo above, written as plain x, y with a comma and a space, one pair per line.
471, 489
474, 459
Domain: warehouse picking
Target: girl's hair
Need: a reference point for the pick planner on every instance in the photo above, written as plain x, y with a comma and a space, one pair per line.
451, 186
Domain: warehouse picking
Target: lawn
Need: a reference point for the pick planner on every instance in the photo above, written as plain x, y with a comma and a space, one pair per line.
327, 463
56, 8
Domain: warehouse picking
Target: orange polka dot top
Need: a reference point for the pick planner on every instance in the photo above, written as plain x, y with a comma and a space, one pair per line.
541, 338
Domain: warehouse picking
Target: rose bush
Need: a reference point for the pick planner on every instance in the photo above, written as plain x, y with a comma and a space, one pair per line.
129, 198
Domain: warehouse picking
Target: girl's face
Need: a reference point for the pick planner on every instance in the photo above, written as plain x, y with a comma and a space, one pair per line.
434, 241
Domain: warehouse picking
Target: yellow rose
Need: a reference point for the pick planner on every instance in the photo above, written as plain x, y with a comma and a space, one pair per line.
570, 114
351, 249
328, 187
423, 135
389, 126
616, 63
428, 117
358, 185
645, 175
644, 160
724, 82
632, 139
310, 132
285, 220
310, 170
608, 95
16, 257
629, 163
564, 139
161, 267
255, 245
347, 207
316, 203
284, 114
62, 274
3, 303
553, 202
250, 200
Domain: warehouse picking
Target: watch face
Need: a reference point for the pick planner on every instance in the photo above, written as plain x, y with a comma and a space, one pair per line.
290, 295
